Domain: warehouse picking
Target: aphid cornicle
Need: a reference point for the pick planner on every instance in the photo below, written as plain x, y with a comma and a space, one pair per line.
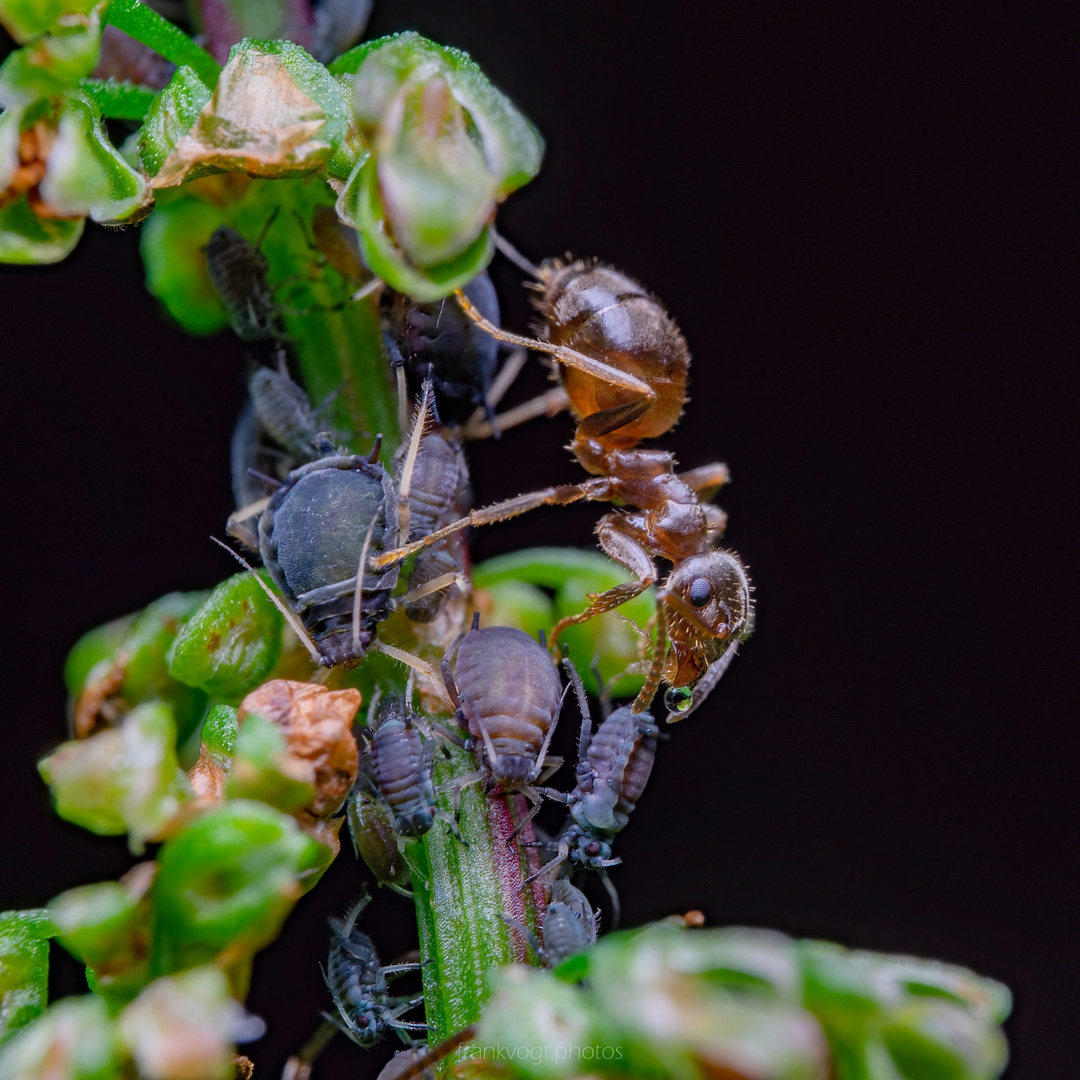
623, 364
359, 985
438, 342
401, 768
312, 536
508, 695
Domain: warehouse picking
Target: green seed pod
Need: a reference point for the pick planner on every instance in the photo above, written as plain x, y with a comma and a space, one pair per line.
75, 1039
24, 968
123, 664
228, 878
231, 644
182, 1026
936, 1040
124, 779
106, 926
264, 770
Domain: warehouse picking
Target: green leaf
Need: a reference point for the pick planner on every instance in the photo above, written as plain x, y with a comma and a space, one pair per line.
219, 734
85, 174
75, 1039
95, 652
119, 100
275, 112
27, 240
53, 63
123, 779
24, 968
228, 879
231, 644
146, 25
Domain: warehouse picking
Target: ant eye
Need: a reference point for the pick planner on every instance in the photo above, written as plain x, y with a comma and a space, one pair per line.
700, 592
678, 698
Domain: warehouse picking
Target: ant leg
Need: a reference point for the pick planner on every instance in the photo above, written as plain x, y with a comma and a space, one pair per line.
706, 480
621, 544
570, 357
598, 489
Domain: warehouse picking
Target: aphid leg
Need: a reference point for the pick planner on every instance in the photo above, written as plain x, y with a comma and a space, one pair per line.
290, 618
358, 595
432, 1057
416, 663
452, 824
436, 584
238, 531
585, 735
374, 286
299, 1066
619, 541
529, 936
548, 871
570, 357
616, 907
656, 668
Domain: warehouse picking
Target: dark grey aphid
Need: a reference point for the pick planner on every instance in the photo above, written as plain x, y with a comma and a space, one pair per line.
569, 926
508, 695
283, 411
436, 493
360, 987
401, 768
614, 765
438, 341
312, 538
238, 271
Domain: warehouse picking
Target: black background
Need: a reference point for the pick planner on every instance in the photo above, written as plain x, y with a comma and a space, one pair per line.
856, 217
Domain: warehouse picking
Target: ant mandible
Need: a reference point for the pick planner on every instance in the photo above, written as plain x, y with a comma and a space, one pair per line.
623, 364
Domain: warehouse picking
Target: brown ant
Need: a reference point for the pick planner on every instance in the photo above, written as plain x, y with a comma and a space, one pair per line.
623, 364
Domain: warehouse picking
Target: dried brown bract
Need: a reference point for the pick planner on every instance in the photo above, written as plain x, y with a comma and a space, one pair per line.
317, 725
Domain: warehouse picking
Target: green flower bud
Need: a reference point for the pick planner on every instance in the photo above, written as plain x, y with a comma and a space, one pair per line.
28, 19
24, 968
231, 644
228, 879
75, 1039
182, 1027
53, 63
219, 734
123, 779
27, 240
170, 117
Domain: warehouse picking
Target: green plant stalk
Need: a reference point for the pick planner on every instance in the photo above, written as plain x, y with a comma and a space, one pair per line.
146, 25
462, 889
119, 100
341, 357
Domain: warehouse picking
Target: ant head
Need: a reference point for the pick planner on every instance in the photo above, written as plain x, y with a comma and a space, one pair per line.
708, 607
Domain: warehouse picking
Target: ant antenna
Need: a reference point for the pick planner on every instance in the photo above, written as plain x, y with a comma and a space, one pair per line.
290, 618
510, 252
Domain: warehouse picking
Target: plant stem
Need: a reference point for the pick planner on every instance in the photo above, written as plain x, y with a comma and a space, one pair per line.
462, 888
119, 100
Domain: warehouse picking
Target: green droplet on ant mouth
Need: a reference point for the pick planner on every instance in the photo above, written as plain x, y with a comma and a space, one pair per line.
678, 699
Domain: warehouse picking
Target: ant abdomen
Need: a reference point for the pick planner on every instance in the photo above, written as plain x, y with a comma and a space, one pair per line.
596, 310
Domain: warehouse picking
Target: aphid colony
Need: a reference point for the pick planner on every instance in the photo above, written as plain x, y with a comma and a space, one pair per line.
333, 529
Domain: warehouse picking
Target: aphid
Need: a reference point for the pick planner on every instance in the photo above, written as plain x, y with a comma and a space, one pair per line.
374, 839
614, 765
623, 363
438, 342
431, 493
312, 536
569, 926
238, 271
359, 984
508, 696
401, 762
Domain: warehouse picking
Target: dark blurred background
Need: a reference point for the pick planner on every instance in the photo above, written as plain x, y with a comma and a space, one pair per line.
855, 214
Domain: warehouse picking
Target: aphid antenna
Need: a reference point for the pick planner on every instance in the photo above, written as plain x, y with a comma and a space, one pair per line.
510, 252
373, 286
246, 513
416, 663
529, 936
410, 689
266, 228
290, 618
376, 697
616, 907
585, 735
268, 481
